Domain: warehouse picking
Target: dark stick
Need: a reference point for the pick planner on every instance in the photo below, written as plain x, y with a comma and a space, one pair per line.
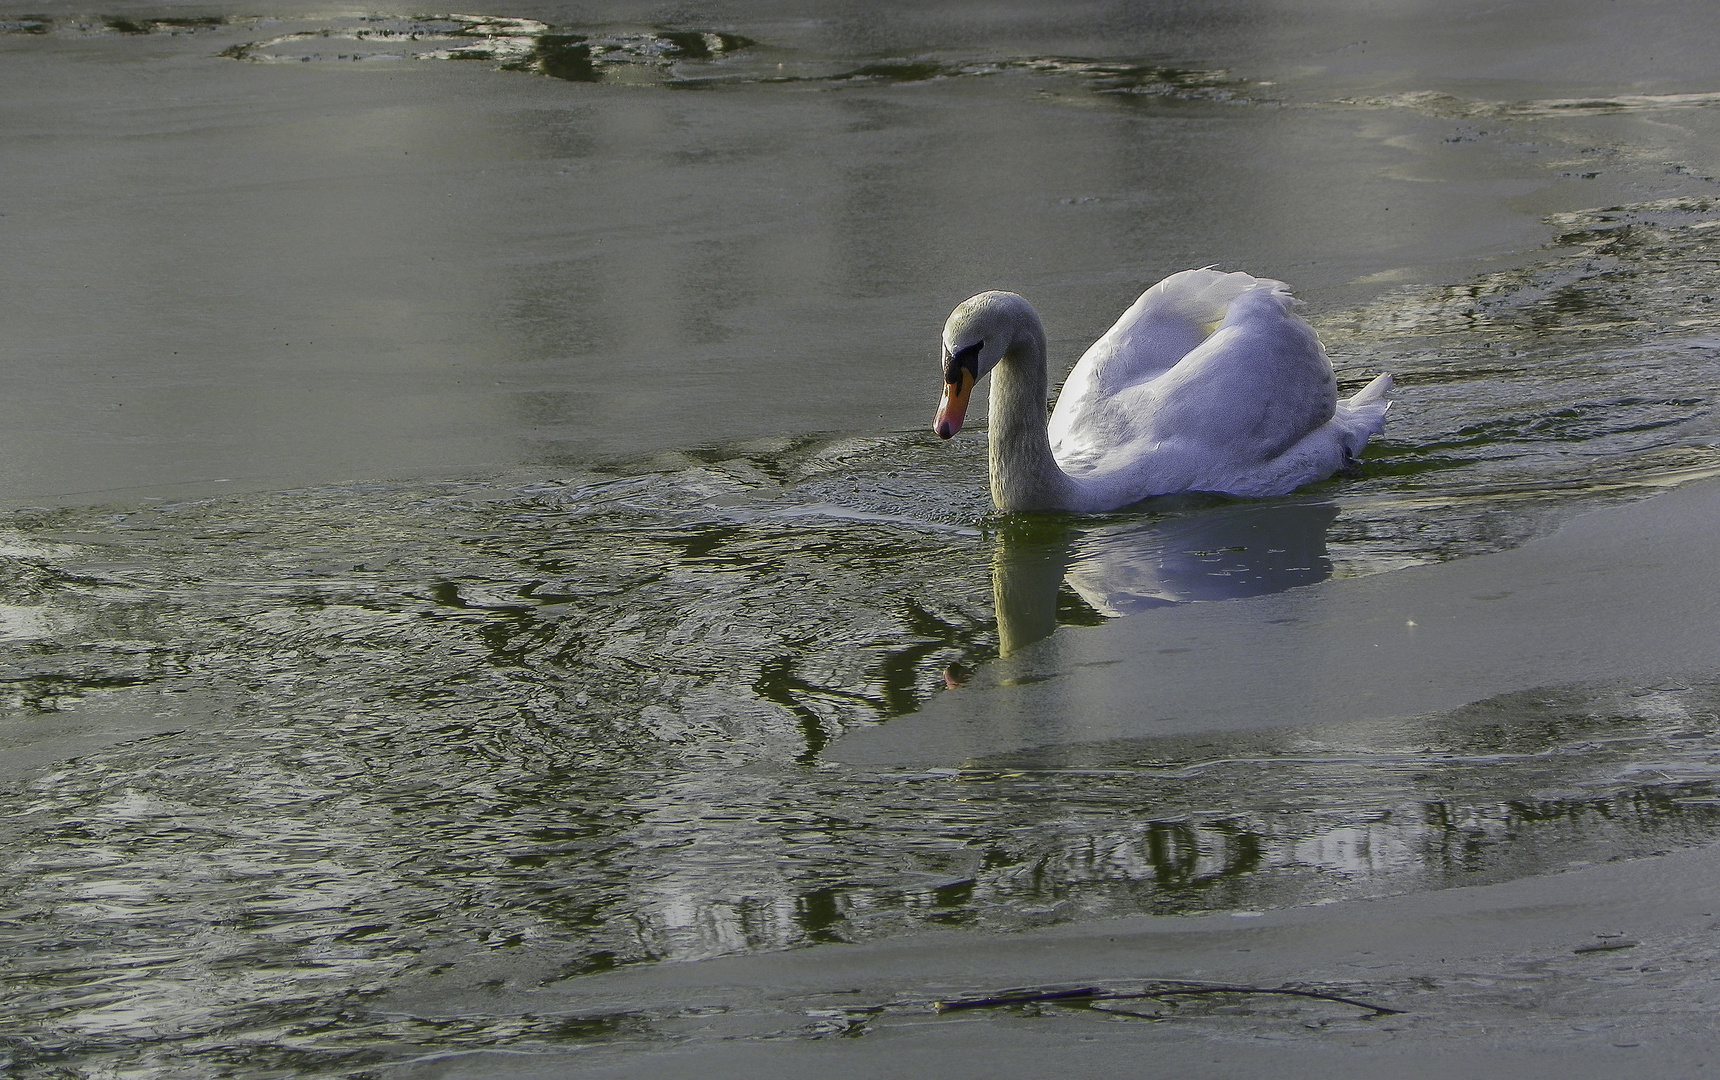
1018, 997
1091, 993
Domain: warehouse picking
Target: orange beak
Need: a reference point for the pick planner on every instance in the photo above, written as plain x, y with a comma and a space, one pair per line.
953, 407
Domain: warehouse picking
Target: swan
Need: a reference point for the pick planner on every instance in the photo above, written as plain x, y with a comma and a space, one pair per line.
1209, 382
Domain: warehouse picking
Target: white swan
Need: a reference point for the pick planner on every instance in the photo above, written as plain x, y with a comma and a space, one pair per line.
1209, 382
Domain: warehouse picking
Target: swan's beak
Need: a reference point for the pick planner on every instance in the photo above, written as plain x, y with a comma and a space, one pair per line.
954, 406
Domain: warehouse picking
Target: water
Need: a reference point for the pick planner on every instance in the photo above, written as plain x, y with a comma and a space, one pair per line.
285, 736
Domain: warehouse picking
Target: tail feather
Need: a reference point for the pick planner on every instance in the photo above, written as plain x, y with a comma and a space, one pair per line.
1365, 412
1374, 391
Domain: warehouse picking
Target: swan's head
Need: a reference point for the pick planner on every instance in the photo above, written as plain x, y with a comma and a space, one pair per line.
977, 334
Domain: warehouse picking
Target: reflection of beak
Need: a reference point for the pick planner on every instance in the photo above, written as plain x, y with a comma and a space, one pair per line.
954, 406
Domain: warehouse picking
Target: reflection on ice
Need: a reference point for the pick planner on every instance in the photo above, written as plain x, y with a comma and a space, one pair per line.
1221, 552
1225, 554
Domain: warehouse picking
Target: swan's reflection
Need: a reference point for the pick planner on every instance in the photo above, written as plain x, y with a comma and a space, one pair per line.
1185, 552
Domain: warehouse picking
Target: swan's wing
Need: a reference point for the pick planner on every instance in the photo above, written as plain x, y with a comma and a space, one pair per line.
1255, 388
1165, 324
1251, 409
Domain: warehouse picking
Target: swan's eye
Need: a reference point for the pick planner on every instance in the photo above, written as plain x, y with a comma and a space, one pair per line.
967, 357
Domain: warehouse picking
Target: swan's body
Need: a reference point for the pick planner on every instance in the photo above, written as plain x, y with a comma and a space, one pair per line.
1209, 382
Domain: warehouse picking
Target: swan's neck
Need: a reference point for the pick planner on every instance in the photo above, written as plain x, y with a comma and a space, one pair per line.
1024, 474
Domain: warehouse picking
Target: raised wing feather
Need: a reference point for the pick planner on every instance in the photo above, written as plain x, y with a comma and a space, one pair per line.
1214, 363
1162, 326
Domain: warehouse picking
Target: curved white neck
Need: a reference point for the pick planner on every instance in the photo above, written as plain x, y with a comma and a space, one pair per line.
1024, 474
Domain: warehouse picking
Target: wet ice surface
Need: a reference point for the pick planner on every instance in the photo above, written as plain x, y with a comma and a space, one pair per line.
272, 753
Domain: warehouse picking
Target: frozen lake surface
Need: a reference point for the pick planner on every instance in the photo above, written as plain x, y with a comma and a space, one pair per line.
472, 518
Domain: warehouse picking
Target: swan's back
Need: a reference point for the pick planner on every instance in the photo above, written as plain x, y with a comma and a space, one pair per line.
1208, 382
1163, 325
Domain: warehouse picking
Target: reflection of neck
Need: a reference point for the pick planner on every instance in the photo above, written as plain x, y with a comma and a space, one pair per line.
1026, 573
1024, 474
